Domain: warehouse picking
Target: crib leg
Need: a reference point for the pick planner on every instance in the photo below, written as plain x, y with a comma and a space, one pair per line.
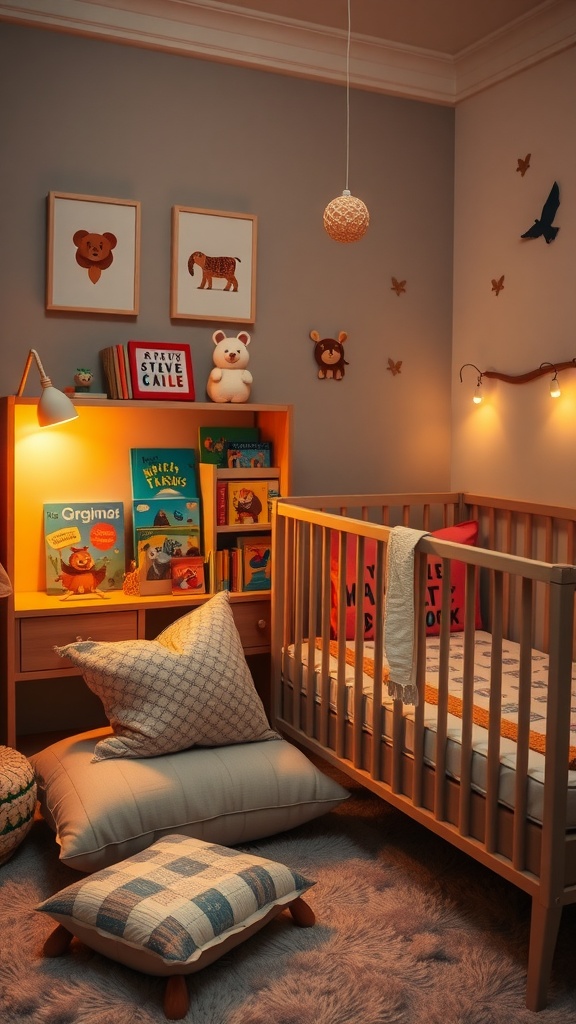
544, 925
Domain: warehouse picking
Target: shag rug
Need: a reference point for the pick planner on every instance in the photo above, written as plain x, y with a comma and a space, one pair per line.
407, 930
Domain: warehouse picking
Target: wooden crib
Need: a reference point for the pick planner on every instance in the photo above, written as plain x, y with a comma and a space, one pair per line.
484, 758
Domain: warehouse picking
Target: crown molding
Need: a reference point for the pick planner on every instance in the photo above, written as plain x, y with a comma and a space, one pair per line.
221, 32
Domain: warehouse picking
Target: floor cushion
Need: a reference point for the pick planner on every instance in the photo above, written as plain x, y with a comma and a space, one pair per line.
174, 908
104, 811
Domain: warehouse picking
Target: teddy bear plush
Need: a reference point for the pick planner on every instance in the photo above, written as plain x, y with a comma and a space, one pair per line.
229, 380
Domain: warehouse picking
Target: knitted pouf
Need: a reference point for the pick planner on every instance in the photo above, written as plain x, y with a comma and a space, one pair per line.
17, 800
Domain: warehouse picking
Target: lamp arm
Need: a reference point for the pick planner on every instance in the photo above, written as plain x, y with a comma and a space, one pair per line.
44, 379
523, 378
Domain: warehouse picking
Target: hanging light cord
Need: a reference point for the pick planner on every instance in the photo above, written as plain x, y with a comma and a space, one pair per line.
348, 98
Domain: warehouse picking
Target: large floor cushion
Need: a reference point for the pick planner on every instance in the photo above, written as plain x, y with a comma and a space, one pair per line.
104, 811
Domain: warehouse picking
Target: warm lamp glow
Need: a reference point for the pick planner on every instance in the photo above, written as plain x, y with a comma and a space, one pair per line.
53, 406
346, 218
477, 396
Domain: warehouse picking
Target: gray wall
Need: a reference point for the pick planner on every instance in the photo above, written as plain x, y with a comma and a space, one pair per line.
95, 118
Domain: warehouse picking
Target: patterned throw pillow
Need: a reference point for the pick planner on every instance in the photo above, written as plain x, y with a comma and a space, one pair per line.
191, 686
176, 906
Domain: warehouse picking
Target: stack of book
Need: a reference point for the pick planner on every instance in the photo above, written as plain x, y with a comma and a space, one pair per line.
166, 520
244, 567
116, 369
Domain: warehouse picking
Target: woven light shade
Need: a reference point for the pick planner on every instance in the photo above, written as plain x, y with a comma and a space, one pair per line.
346, 218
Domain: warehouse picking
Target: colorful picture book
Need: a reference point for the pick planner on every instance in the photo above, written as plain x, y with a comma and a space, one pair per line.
212, 442
164, 489
256, 562
188, 575
84, 545
247, 455
247, 502
157, 549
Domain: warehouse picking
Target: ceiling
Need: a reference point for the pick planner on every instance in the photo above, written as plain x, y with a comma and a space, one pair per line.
437, 50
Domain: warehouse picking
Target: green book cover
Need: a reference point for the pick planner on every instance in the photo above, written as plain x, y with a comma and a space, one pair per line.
212, 442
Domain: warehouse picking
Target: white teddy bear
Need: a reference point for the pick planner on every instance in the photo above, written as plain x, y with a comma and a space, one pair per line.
230, 381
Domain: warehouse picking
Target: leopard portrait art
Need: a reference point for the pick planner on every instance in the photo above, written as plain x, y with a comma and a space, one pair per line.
215, 266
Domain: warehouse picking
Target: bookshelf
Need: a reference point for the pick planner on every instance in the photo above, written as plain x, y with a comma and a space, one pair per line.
88, 460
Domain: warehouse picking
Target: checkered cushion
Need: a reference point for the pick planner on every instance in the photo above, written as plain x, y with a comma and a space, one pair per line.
191, 686
175, 906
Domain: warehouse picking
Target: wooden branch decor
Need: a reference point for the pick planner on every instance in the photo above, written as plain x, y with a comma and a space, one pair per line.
523, 378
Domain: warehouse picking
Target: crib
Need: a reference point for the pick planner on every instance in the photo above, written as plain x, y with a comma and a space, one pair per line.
486, 758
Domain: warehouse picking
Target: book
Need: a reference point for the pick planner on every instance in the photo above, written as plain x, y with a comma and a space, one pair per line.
247, 455
84, 548
256, 562
164, 489
163, 473
247, 502
212, 442
156, 549
221, 502
188, 575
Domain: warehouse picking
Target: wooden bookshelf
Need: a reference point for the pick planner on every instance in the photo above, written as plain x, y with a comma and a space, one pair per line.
88, 460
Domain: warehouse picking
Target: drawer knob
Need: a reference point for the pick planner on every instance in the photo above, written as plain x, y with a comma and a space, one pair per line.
261, 624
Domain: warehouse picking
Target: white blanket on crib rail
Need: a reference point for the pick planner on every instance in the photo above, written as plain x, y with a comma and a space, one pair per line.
399, 619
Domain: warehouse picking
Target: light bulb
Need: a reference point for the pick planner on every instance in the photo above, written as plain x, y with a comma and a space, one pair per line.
555, 387
477, 396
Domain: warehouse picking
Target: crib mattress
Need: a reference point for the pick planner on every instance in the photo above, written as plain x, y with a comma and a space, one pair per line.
482, 660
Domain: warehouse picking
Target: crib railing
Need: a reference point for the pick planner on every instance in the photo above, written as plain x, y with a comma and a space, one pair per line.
372, 746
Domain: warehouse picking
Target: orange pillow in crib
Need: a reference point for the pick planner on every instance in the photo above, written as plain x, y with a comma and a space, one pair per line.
462, 533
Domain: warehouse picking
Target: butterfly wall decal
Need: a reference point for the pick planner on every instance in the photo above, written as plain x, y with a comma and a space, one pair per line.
497, 285
542, 226
523, 164
398, 286
394, 367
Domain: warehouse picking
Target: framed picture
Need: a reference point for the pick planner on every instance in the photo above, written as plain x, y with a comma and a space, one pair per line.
213, 265
93, 258
161, 371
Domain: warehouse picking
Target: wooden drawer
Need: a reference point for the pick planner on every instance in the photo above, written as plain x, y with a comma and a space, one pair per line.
253, 623
39, 635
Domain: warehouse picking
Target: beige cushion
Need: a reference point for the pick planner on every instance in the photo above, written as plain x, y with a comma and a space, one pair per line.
190, 686
177, 906
105, 811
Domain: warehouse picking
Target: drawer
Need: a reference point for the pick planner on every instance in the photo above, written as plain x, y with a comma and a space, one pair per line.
252, 620
39, 635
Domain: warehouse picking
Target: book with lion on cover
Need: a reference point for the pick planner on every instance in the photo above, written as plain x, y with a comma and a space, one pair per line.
84, 545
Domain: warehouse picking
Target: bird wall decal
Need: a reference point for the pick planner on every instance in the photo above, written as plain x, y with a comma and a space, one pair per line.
497, 285
394, 367
543, 225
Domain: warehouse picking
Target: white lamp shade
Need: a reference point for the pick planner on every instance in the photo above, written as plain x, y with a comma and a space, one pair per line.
54, 407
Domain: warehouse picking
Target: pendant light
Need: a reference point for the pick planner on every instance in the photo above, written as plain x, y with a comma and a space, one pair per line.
346, 218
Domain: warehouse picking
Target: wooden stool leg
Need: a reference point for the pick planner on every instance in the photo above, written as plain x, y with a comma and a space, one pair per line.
176, 998
302, 914
57, 942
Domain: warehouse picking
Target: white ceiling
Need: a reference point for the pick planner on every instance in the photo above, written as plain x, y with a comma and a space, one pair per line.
437, 50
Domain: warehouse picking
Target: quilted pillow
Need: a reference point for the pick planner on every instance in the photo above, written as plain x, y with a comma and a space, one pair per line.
177, 906
462, 533
104, 812
190, 686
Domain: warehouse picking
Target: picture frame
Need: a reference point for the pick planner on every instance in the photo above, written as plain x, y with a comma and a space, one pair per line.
161, 372
93, 254
222, 283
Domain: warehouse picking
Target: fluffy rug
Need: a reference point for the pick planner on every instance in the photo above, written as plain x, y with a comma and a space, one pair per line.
408, 930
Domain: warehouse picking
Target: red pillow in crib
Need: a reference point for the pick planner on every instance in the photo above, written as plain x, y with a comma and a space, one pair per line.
462, 533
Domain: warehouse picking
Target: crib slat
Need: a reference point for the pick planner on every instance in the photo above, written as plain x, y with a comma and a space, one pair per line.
495, 711
522, 745
313, 557
325, 636
377, 708
440, 801
358, 701
467, 704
